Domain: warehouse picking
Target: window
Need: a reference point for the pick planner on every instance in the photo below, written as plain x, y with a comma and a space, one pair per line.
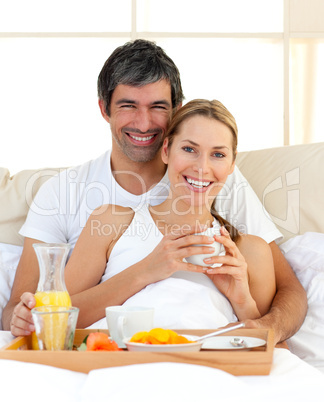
241, 53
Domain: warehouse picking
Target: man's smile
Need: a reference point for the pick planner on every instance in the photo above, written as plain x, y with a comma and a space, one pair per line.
141, 138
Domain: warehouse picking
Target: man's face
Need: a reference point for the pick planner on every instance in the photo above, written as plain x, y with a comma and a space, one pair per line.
139, 117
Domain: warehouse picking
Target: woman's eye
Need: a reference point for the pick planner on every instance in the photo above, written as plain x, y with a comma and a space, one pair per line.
188, 149
219, 155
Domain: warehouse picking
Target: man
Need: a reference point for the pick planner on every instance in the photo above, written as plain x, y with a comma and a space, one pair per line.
139, 88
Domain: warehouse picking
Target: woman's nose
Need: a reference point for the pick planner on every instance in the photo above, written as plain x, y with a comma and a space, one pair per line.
202, 165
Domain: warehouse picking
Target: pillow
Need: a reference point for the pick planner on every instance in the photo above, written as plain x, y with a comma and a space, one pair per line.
9, 258
16, 194
305, 254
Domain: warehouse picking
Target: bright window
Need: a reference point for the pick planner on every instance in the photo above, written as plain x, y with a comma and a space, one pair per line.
238, 52
210, 16
65, 15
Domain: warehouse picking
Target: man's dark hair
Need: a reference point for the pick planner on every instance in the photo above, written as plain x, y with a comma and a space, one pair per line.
138, 63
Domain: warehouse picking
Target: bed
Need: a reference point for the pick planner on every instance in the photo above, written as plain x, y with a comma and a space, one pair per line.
290, 183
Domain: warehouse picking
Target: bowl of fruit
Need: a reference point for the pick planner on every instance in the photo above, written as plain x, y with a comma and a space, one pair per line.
162, 340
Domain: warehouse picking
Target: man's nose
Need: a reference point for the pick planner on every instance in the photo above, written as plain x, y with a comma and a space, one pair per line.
143, 120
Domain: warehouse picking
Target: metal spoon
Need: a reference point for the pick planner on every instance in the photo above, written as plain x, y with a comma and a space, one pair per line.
220, 331
238, 342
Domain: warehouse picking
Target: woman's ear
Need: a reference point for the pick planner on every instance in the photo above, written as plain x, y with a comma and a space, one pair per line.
233, 163
165, 151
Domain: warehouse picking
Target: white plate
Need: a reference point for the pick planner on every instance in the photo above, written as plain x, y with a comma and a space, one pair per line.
224, 343
181, 347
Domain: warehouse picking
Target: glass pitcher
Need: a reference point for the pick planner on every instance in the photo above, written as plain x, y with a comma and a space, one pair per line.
51, 289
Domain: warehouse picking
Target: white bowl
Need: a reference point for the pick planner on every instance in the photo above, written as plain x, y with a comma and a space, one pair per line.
180, 347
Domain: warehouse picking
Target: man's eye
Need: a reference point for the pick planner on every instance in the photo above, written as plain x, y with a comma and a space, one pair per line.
159, 107
127, 106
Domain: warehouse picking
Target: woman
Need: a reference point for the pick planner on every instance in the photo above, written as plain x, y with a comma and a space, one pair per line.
113, 262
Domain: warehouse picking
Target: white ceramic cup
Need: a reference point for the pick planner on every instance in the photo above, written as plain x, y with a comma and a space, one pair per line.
198, 259
125, 321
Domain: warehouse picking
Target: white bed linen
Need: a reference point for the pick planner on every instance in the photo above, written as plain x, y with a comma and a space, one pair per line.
9, 258
291, 379
305, 254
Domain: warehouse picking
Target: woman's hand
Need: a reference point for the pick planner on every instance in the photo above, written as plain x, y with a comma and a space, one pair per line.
168, 255
232, 278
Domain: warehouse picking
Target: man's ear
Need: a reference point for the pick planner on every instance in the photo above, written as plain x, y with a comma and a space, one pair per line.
102, 107
176, 108
165, 151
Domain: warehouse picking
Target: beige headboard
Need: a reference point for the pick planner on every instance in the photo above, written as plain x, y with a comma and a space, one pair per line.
288, 180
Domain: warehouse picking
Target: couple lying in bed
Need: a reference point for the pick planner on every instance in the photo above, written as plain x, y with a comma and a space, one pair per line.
137, 255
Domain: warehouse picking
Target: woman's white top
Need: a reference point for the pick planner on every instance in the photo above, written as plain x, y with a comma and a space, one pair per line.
185, 300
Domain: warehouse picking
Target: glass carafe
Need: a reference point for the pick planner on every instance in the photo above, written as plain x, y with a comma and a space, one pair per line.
51, 289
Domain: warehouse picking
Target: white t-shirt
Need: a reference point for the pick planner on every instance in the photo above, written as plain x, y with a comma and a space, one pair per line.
63, 204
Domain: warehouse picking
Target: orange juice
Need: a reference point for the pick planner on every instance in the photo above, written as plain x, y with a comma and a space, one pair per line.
52, 298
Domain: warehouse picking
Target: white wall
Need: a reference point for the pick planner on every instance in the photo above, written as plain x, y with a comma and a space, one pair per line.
241, 53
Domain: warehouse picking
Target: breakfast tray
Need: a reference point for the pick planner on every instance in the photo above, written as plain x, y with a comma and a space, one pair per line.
256, 361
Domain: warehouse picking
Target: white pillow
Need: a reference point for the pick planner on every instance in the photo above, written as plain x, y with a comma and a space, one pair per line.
305, 254
9, 258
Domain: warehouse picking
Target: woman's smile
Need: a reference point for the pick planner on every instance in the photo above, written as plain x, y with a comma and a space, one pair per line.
198, 185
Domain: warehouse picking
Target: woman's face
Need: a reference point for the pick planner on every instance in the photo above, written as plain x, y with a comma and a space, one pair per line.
199, 161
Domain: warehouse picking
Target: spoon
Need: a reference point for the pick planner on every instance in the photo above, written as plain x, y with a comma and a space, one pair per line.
237, 342
219, 332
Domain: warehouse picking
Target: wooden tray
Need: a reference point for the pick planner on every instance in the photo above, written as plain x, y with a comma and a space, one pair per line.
256, 361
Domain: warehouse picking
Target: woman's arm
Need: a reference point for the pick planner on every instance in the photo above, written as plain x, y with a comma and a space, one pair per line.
289, 305
258, 257
88, 263
246, 277
90, 255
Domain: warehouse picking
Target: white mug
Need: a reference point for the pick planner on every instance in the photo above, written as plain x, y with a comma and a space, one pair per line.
125, 321
198, 259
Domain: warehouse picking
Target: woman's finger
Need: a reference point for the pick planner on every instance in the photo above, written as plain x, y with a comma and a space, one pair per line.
229, 245
236, 271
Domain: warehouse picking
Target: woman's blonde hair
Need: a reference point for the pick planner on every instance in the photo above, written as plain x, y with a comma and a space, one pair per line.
212, 109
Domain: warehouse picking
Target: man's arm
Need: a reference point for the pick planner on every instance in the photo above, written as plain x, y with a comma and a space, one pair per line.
289, 306
16, 315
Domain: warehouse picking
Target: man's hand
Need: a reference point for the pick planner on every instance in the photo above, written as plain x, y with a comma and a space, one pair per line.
22, 322
264, 323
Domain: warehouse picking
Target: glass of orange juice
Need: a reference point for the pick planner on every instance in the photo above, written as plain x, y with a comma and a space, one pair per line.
55, 326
